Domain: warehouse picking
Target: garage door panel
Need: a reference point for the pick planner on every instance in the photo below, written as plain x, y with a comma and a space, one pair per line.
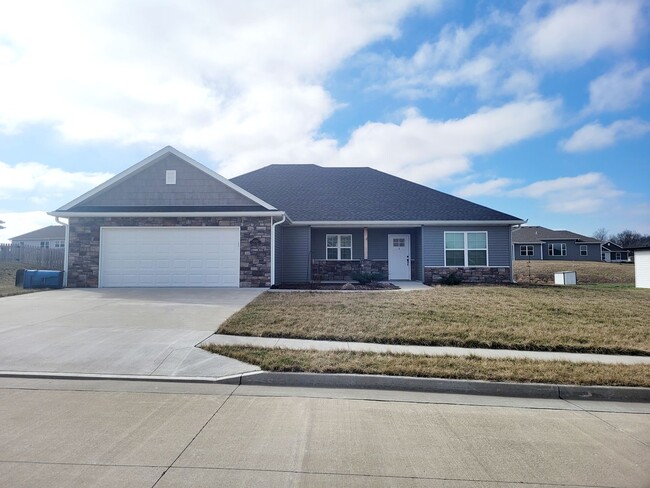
169, 257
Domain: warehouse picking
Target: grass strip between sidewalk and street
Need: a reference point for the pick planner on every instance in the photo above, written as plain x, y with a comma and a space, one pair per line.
451, 367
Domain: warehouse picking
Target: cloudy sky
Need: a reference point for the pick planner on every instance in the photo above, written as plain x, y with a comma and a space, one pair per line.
540, 109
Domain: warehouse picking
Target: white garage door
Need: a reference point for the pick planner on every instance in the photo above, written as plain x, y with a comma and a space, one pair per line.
169, 256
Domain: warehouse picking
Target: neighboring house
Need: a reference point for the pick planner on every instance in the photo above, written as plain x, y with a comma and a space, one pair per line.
50, 237
170, 221
642, 267
540, 243
613, 253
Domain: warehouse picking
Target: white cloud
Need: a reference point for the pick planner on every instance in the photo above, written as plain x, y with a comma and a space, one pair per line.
595, 136
228, 78
618, 89
18, 223
36, 180
429, 150
582, 194
495, 186
577, 32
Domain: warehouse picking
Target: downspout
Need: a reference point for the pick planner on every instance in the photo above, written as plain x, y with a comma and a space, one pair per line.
273, 225
65, 253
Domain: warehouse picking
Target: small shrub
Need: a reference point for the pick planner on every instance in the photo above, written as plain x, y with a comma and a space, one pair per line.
451, 279
367, 278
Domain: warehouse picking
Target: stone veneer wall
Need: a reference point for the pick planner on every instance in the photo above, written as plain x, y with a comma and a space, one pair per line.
469, 275
255, 245
327, 270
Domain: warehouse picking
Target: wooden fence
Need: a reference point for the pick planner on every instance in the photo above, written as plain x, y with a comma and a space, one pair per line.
37, 257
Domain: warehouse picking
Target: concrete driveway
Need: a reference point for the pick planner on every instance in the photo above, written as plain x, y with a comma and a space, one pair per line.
118, 331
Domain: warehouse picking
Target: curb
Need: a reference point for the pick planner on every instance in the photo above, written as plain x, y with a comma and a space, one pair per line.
436, 385
378, 382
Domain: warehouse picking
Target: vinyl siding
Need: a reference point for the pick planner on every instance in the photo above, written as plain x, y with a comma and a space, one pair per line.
295, 254
642, 268
148, 188
573, 251
278, 254
433, 244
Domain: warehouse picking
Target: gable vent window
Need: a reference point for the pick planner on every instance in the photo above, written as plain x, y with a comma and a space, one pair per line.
170, 177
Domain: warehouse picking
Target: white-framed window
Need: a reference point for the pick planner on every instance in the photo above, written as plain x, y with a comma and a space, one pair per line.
526, 250
45, 244
339, 246
583, 250
617, 256
557, 249
59, 244
466, 249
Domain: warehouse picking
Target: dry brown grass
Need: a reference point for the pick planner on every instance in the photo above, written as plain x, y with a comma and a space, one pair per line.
587, 272
611, 320
472, 367
8, 278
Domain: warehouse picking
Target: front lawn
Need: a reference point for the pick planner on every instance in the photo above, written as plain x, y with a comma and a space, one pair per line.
610, 320
8, 279
587, 272
471, 368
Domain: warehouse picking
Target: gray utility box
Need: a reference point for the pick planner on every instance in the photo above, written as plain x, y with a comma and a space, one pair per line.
566, 278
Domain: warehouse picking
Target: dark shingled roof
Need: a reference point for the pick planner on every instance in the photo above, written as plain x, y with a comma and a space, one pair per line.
533, 234
612, 246
49, 232
308, 192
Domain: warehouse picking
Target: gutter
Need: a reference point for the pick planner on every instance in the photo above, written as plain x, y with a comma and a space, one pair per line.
67, 247
512, 250
273, 226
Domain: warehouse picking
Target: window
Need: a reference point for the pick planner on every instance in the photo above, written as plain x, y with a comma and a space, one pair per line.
339, 246
399, 242
526, 250
583, 250
59, 244
558, 249
170, 177
45, 244
465, 248
617, 256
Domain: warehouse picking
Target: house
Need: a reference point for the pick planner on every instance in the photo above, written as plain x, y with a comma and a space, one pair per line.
613, 253
170, 221
50, 237
642, 267
540, 243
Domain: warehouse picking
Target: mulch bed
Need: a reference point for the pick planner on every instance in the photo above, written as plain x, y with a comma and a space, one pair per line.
336, 286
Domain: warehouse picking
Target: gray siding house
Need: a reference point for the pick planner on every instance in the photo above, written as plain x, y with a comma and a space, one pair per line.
613, 253
50, 237
540, 243
170, 221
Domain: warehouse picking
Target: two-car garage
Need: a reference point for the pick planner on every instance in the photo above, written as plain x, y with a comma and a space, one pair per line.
169, 257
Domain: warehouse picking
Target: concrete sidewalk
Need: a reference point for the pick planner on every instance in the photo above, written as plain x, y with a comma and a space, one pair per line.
302, 344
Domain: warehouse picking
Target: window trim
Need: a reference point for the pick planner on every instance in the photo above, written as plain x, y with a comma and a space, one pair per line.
563, 251
585, 248
466, 249
338, 247
528, 247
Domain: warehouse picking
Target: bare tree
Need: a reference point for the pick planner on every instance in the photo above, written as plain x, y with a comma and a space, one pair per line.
629, 238
2, 226
601, 234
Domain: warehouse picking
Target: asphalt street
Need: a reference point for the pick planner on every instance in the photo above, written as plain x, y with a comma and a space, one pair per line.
101, 433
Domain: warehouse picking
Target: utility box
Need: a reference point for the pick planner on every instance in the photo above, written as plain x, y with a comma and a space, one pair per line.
565, 278
42, 278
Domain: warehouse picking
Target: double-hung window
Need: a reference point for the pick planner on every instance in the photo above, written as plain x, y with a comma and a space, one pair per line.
526, 250
583, 250
557, 249
339, 246
466, 249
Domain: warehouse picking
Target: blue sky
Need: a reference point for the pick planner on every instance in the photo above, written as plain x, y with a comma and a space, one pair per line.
540, 109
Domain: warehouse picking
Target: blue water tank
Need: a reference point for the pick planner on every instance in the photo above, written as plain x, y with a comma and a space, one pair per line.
42, 278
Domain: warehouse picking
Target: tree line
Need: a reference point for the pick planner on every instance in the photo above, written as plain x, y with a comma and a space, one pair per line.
627, 238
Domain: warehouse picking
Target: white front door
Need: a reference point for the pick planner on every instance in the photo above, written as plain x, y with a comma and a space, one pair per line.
399, 257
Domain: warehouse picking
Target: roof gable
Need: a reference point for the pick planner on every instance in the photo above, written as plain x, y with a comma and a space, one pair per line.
144, 186
311, 193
